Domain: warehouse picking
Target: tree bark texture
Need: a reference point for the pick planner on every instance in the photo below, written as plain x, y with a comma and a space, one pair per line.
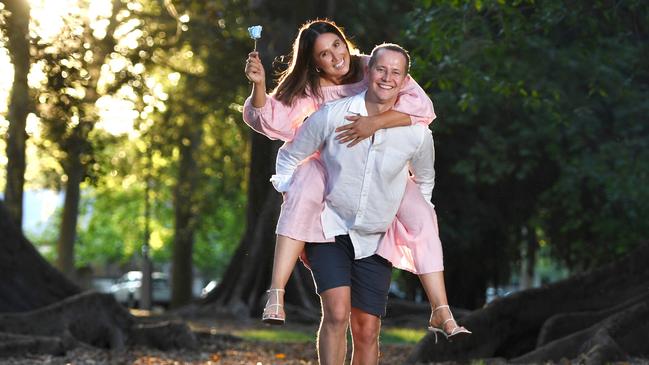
185, 211
19, 103
602, 315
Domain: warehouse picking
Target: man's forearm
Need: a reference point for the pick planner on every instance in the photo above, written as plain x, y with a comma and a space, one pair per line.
284, 168
392, 118
423, 166
309, 138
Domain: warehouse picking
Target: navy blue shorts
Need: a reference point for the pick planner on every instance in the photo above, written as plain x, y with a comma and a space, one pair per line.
333, 265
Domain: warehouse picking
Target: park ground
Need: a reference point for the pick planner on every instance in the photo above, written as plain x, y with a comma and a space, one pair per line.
229, 342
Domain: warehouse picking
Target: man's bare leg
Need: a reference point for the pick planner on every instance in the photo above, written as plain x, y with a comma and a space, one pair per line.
332, 335
365, 336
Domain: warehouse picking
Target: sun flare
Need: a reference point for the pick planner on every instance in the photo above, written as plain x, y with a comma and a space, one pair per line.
48, 16
48, 19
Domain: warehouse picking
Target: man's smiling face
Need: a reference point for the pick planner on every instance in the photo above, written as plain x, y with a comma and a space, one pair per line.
386, 76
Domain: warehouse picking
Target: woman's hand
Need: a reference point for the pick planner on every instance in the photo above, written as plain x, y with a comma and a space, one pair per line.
254, 69
356, 131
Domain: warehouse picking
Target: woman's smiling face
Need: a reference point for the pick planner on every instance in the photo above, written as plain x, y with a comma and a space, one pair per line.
331, 56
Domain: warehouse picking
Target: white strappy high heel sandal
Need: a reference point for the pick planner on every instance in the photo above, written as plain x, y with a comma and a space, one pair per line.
273, 316
456, 332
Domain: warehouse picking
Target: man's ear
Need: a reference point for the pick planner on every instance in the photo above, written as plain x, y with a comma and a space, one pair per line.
404, 81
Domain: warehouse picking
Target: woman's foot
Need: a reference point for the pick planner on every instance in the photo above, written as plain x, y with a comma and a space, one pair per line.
442, 321
274, 309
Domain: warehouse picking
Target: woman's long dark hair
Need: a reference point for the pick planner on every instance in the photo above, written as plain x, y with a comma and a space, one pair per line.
301, 73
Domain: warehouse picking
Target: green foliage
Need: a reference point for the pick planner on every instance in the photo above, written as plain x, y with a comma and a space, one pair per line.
204, 91
104, 240
542, 119
172, 77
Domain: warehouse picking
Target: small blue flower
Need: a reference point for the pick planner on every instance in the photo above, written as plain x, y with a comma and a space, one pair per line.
255, 31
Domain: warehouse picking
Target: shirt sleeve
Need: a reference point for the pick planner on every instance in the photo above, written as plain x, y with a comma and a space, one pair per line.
414, 101
422, 165
276, 120
309, 138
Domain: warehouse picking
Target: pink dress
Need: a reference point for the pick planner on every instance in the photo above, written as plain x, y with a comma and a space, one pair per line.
412, 242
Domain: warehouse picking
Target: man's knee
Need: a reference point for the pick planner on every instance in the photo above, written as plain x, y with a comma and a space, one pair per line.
336, 307
335, 315
365, 330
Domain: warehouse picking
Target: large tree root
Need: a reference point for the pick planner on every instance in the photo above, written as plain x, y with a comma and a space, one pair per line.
597, 316
14, 345
605, 341
87, 319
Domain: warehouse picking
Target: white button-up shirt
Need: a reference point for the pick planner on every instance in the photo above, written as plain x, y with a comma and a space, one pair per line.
365, 183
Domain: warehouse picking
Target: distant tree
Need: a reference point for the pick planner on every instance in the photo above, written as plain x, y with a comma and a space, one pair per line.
16, 28
73, 64
197, 133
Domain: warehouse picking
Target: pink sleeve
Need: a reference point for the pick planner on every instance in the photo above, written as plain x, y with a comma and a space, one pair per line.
276, 120
414, 102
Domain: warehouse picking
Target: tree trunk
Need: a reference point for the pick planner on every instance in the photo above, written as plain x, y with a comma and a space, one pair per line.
529, 326
27, 281
242, 289
68, 231
185, 213
528, 260
18, 33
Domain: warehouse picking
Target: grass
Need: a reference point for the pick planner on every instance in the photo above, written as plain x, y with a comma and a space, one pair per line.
388, 336
276, 335
407, 336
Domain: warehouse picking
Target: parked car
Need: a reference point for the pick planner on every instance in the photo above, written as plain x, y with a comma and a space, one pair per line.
127, 289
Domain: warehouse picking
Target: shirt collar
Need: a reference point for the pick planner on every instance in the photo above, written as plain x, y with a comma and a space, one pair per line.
357, 106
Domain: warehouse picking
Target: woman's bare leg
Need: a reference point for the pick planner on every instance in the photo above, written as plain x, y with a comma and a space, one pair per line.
287, 251
435, 289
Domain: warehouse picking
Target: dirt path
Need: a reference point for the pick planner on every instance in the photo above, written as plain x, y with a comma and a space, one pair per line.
218, 346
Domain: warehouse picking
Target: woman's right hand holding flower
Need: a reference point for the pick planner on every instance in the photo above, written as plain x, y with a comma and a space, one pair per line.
254, 69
